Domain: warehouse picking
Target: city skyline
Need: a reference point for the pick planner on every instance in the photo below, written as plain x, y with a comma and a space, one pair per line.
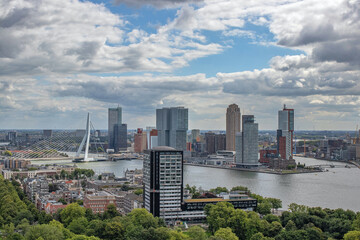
59, 62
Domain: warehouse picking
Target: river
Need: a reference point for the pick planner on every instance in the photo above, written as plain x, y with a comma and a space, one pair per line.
337, 188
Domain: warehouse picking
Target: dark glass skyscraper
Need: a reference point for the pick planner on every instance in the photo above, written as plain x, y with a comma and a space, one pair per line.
172, 126
114, 118
120, 137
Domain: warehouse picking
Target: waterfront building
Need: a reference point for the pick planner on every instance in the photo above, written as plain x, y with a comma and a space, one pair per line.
285, 133
172, 126
232, 125
163, 182
114, 117
247, 147
214, 142
120, 137
220, 142
140, 143
266, 155
210, 142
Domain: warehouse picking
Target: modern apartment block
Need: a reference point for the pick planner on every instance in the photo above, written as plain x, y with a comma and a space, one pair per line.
163, 182
232, 125
172, 126
247, 146
285, 133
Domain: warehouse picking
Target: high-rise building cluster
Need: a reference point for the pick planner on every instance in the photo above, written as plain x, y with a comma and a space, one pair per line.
238, 145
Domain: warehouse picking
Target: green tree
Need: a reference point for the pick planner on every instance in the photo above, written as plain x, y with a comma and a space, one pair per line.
260, 236
71, 212
219, 190
197, 233
315, 233
264, 208
272, 218
110, 212
217, 216
356, 222
290, 226
178, 235
66, 232
293, 207
238, 223
8, 153
114, 231
141, 217
78, 225
45, 231
274, 229
275, 203
240, 188
352, 235
138, 191
225, 234
83, 237
96, 228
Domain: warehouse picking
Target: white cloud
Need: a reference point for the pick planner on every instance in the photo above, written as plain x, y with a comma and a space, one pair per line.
48, 48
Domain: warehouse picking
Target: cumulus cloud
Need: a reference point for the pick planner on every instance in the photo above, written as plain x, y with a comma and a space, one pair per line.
296, 75
77, 36
48, 49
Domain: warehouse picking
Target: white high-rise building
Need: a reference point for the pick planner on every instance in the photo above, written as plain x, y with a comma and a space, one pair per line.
163, 182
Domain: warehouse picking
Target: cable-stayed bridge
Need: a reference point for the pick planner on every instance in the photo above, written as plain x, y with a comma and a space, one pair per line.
65, 144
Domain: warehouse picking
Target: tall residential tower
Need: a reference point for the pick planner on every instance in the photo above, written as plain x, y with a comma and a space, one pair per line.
232, 125
172, 126
163, 182
285, 133
247, 146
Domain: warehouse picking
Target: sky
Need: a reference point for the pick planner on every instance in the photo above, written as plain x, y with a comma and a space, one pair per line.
62, 59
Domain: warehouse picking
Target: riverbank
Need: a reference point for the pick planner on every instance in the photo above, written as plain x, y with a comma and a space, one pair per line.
269, 171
